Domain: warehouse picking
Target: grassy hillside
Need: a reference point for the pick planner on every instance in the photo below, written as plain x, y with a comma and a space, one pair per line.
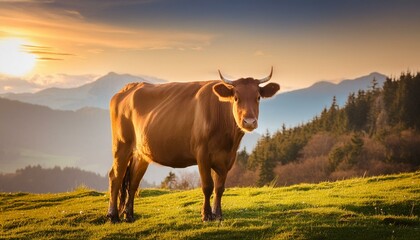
385, 207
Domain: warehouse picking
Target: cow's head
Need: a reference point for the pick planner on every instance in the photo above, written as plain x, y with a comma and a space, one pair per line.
245, 95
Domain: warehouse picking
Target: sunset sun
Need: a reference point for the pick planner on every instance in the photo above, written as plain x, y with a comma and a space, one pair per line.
14, 60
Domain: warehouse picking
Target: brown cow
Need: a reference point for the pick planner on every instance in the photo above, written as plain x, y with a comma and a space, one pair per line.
179, 125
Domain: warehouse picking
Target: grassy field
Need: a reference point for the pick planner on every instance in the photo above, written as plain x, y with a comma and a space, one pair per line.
385, 207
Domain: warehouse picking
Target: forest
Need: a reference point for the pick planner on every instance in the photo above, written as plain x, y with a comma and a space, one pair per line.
376, 132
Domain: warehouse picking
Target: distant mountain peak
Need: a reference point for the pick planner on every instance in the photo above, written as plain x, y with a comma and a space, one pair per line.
366, 78
115, 74
111, 74
376, 74
322, 84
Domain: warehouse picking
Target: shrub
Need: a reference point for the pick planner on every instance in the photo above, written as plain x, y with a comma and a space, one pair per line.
310, 170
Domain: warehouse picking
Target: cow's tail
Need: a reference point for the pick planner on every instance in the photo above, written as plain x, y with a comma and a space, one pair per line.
125, 187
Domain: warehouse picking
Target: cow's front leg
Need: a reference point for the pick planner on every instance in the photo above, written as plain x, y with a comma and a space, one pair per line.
206, 213
207, 187
219, 182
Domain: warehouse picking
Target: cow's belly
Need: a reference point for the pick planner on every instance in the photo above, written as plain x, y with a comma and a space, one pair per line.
176, 162
167, 153
169, 160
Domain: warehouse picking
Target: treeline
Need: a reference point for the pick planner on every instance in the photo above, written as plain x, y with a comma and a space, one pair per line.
376, 132
35, 179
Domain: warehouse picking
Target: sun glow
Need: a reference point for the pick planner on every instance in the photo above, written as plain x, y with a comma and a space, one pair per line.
14, 60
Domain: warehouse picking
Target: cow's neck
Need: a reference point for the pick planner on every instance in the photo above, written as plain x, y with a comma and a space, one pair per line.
228, 132
237, 137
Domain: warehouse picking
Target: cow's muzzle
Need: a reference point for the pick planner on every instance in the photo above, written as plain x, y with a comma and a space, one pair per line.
250, 123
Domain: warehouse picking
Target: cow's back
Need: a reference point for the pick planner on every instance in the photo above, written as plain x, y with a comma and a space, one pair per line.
158, 120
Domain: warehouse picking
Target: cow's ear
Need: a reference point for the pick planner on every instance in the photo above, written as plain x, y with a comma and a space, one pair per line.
269, 90
223, 91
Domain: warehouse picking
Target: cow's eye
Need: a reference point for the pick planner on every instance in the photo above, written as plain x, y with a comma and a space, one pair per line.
236, 98
258, 99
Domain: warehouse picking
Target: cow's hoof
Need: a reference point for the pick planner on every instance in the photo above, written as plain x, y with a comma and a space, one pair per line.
217, 215
113, 218
129, 218
208, 217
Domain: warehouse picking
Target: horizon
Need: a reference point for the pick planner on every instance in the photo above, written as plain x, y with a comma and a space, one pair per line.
58, 43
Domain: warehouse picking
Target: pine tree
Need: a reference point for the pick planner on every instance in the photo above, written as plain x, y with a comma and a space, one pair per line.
169, 182
390, 101
350, 110
267, 166
374, 86
242, 157
283, 128
355, 148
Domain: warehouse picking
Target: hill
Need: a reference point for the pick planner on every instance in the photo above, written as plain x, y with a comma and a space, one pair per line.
384, 207
376, 132
35, 179
31, 134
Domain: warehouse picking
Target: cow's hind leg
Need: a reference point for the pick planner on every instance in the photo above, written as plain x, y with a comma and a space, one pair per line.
206, 185
122, 154
137, 169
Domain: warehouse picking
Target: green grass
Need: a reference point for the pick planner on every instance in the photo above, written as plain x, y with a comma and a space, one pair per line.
385, 207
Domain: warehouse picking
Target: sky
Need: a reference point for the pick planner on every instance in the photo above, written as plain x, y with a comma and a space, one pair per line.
63, 43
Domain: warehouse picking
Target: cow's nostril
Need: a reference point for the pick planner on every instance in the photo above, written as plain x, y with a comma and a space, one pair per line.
249, 121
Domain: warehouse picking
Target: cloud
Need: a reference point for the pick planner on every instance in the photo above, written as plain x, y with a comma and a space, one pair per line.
45, 53
50, 53
61, 80
67, 27
39, 82
49, 59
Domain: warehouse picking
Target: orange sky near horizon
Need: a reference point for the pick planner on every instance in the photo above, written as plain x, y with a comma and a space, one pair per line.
304, 42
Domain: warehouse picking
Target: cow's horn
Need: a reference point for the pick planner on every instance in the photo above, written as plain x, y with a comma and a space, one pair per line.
266, 79
224, 79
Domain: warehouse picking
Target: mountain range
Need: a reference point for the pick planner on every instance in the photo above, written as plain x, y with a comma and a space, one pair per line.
70, 127
301, 106
94, 94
